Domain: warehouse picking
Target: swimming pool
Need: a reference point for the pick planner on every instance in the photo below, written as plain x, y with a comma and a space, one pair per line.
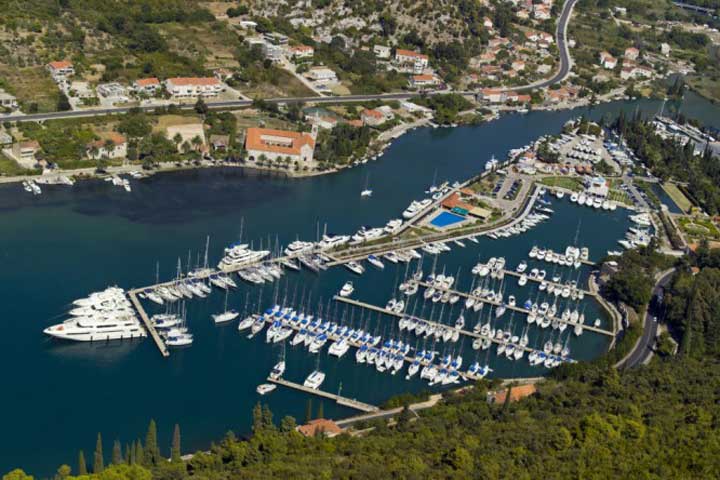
445, 219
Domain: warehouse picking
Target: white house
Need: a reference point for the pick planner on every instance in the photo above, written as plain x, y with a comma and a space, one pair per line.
60, 69
321, 74
418, 62
632, 53
188, 87
24, 152
111, 145
113, 90
381, 51
301, 51
607, 61
419, 81
146, 85
278, 145
7, 100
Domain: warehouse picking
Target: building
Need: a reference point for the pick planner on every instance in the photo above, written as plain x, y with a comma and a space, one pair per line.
424, 80
320, 426
632, 53
110, 145
665, 49
492, 95
372, 117
188, 87
148, 86
273, 52
597, 186
301, 51
321, 74
24, 152
518, 65
325, 122
7, 100
636, 71
417, 62
61, 69
275, 38
219, 143
541, 12
279, 144
382, 52
607, 60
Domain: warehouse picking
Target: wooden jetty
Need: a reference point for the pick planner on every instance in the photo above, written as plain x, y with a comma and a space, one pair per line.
148, 324
340, 400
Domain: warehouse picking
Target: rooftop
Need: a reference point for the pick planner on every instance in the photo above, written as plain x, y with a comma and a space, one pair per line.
277, 141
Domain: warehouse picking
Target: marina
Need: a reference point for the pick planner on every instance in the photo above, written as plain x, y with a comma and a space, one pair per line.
119, 239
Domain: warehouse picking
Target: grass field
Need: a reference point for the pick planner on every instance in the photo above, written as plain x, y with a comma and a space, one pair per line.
699, 227
571, 183
677, 196
31, 85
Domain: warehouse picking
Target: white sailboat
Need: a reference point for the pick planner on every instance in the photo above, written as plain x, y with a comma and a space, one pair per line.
367, 192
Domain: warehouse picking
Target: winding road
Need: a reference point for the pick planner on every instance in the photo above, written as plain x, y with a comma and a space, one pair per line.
560, 75
643, 348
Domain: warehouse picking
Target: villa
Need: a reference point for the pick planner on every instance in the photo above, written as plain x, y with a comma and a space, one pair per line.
279, 145
110, 145
193, 87
415, 61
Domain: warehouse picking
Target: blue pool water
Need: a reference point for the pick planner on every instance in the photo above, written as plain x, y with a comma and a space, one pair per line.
446, 218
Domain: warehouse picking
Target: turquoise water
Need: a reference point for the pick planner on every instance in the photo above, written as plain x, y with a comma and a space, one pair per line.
444, 219
71, 241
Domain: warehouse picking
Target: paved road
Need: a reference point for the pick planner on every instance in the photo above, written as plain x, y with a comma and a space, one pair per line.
644, 348
565, 65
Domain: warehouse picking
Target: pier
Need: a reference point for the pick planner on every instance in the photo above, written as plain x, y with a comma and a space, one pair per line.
148, 324
340, 400
591, 328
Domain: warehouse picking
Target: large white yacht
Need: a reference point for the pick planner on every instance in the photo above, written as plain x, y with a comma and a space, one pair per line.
237, 255
89, 329
298, 246
105, 315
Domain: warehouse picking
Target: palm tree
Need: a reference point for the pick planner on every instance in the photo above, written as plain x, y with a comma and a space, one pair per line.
196, 141
177, 139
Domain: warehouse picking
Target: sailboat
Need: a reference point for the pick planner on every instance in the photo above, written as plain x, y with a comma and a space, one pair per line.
226, 315
367, 192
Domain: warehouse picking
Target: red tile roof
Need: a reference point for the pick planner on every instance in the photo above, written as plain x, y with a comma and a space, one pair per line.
194, 81
60, 64
262, 139
410, 53
320, 425
144, 82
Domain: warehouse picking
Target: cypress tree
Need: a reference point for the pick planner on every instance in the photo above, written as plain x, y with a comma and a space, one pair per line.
175, 450
98, 462
321, 410
267, 417
152, 452
82, 467
308, 410
257, 424
117, 457
139, 453
128, 454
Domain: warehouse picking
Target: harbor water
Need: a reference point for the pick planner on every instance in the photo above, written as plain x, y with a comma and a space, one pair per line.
68, 242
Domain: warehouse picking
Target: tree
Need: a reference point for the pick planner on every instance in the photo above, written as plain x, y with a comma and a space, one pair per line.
175, 450
152, 451
308, 410
117, 457
63, 472
287, 424
17, 474
177, 139
201, 107
63, 104
196, 141
257, 415
82, 467
321, 410
139, 453
98, 461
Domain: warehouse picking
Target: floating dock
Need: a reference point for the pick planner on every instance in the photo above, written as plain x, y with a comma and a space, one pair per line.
148, 324
340, 400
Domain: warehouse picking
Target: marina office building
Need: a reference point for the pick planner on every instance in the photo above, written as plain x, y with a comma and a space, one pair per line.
279, 145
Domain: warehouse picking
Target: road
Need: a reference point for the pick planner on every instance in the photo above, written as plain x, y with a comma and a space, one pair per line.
643, 349
560, 75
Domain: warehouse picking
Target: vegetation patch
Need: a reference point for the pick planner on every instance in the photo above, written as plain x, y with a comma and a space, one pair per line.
677, 196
